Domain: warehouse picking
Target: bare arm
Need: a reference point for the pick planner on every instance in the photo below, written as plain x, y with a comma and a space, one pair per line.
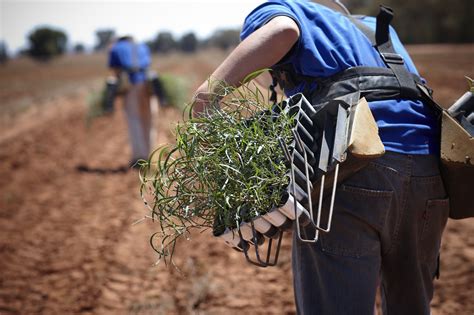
262, 49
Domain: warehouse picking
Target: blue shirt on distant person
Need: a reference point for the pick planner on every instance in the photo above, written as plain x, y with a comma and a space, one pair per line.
131, 57
329, 43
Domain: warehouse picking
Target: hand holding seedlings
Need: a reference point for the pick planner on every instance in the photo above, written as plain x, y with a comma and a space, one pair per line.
226, 168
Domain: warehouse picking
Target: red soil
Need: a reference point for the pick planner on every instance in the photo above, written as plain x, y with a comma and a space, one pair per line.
67, 242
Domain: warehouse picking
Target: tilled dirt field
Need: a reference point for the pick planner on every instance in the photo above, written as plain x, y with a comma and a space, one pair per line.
67, 204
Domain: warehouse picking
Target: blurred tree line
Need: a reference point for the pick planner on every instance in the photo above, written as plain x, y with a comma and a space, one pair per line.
164, 42
425, 21
46, 42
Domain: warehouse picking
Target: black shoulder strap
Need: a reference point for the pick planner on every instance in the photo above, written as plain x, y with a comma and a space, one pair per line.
382, 42
407, 84
368, 32
388, 54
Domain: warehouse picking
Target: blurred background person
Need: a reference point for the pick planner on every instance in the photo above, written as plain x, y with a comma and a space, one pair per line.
129, 61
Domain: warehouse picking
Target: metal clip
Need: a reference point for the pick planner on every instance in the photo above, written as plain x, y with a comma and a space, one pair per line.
258, 261
338, 156
289, 157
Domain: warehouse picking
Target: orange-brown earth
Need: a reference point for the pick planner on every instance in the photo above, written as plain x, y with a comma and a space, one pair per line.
67, 243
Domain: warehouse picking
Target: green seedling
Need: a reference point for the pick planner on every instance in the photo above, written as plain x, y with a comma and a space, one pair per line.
226, 167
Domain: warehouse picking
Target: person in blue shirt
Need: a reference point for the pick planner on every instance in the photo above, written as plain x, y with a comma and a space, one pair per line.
133, 59
388, 217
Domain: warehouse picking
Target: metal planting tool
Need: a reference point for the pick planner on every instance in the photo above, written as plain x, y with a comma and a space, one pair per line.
320, 141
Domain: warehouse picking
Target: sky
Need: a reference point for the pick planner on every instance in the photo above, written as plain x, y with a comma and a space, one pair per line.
141, 19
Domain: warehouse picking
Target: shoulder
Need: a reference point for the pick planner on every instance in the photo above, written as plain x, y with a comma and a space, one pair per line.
304, 13
114, 49
262, 14
144, 47
118, 47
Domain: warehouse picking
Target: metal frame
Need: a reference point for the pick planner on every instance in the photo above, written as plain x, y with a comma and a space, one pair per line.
332, 152
331, 155
258, 261
309, 187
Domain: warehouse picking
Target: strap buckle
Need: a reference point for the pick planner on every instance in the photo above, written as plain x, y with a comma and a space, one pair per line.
391, 58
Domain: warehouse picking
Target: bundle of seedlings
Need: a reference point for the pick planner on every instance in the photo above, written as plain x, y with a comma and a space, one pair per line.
172, 91
101, 102
227, 167
175, 90
95, 105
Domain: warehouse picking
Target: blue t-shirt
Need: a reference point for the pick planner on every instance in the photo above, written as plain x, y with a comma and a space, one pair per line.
330, 43
128, 55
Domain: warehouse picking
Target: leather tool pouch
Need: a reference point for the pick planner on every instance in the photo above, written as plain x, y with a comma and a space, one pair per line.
457, 166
